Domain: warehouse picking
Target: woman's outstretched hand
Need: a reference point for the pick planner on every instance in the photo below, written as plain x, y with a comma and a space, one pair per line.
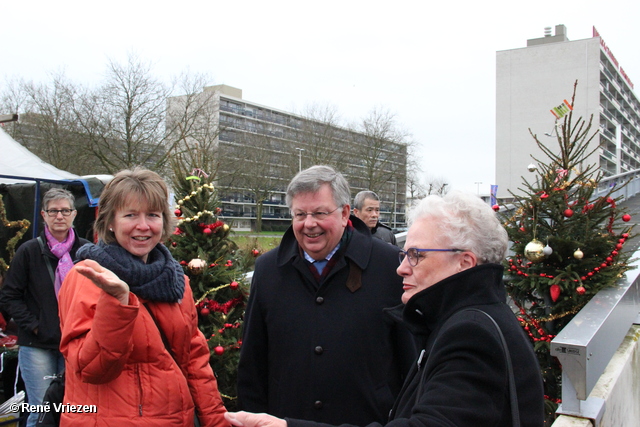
247, 419
105, 279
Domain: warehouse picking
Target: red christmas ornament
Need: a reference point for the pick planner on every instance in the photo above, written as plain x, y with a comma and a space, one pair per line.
495, 208
568, 213
178, 212
581, 290
554, 291
233, 285
205, 311
207, 231
218, 350
174, 244
626, 217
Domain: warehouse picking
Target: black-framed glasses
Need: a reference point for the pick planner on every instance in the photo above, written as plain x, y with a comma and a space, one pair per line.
414, 254
54, 212
318, 216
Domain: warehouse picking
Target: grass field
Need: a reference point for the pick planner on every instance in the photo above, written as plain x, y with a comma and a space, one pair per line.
261, 241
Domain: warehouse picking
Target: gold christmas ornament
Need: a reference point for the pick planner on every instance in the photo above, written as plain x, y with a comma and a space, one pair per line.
578, 254
196, 266
534, 251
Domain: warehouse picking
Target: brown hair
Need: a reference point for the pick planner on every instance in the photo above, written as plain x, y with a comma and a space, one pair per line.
140, 183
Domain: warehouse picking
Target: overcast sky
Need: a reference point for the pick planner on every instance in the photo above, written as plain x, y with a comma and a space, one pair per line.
430, 63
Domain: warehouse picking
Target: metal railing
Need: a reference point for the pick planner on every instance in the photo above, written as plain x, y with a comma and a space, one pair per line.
586, 345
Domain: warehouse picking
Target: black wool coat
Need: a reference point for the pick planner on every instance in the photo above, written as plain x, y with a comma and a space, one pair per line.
461, 380
321, 351
28, 294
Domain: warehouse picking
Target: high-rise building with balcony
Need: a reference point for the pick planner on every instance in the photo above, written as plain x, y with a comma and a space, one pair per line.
531, 81
264, 148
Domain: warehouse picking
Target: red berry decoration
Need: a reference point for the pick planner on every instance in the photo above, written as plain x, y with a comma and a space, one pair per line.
207, 231
178, 212
568, 213
581, 290
205, 311
626, 217
218, 350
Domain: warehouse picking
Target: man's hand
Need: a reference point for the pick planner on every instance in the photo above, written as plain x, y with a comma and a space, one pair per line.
105, 279
247, 419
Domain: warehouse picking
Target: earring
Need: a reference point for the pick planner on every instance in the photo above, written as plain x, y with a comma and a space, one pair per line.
111, 230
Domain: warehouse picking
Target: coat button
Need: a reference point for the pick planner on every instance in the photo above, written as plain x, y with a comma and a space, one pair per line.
319, 300
318, 404
318, 350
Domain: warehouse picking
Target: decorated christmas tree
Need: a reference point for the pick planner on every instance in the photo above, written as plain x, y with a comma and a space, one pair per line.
567, 242
21, 225
202, 246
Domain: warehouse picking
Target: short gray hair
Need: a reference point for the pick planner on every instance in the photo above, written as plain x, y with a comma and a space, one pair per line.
465, 222
312, 179
57, 194
358, 201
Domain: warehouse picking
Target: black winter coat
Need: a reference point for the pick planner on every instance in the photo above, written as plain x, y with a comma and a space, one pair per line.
462, 379
28, 294
384, 233
320, 351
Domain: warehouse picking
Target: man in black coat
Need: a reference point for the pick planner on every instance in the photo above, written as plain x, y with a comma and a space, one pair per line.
366, 206
477, 367
317, 344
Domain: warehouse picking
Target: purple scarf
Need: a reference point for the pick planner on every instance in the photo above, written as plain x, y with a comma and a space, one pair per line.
61, 250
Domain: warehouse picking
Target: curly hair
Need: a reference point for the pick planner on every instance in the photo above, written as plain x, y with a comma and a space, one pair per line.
465, 221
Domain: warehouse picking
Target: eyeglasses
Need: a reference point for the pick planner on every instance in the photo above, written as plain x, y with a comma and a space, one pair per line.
54, 212
318, 216
414, 254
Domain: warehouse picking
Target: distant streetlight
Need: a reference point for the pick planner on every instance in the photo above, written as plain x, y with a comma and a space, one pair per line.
300, 150
478, 184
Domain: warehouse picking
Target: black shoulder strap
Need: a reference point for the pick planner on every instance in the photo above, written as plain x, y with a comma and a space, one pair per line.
515, 411
47, 261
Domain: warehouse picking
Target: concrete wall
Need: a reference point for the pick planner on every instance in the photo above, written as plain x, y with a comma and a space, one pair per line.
619, 386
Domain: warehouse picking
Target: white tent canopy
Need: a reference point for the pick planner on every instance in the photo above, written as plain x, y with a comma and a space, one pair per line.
17, 161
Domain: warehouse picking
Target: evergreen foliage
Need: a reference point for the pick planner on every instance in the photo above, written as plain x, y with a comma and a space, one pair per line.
567, 243
202, 246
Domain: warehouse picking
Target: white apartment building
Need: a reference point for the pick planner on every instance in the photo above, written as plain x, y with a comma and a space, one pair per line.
280, 144
531, 81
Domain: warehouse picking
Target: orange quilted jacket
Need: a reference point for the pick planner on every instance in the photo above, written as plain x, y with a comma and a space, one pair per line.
116, 360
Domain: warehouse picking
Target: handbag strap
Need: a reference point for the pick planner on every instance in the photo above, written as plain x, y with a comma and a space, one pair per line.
47, 261
515, 413
513, 396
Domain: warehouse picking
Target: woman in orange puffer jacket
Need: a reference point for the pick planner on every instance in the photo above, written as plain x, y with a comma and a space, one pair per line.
112, 308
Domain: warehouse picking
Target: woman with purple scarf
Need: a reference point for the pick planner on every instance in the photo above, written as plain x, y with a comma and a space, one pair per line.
30, 294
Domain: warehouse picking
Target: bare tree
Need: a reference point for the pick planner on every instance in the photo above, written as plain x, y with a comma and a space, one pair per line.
124, 119
192, 126
322, 136
379, 145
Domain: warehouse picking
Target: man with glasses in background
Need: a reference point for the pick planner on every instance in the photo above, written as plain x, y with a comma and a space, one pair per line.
317, 344
366, 206
30, 294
